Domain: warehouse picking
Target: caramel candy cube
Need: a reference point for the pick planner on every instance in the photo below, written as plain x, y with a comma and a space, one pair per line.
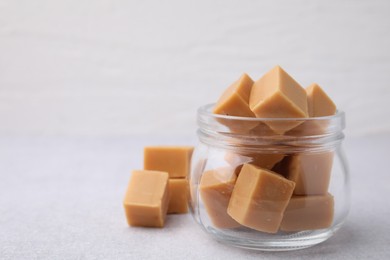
216, 187
308, 212
278, 95
178, 196
311, 172
175, 160
259, 198
319, 103
235, 102
146, 199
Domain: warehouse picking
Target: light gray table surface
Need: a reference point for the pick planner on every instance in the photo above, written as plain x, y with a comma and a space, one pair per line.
61, 198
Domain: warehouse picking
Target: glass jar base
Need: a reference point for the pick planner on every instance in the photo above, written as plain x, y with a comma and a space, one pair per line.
272, 242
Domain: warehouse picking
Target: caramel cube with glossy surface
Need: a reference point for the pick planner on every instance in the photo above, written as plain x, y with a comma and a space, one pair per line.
178, 196
175, 160
311, 172
216, 187
308, 212
146, 199
259, 198
278, 95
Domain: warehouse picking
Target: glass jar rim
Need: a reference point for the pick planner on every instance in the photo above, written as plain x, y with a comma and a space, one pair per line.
223, 130
206, 110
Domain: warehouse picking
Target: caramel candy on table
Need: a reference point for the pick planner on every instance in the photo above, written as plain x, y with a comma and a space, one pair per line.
278, 95
215, 189
259, 198
178, 196
175, 160
308, 212
319, 105
146, 199
235, 102
311, 172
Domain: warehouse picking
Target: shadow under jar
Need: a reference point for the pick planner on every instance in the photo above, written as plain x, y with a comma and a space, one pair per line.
253, 188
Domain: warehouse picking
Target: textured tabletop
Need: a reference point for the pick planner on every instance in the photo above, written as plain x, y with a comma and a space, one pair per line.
60, 198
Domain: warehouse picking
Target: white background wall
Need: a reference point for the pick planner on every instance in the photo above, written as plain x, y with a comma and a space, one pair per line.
105, 67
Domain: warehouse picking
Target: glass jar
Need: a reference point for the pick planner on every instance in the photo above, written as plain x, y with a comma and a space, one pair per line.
253, 188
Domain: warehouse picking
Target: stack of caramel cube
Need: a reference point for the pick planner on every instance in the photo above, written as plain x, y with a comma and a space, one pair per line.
159, 189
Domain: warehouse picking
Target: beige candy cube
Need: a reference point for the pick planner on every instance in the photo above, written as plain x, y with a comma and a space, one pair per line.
175, 160
308, 212
259, 198
235, 102
319, 105
278, 95
147, 197
178, 196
